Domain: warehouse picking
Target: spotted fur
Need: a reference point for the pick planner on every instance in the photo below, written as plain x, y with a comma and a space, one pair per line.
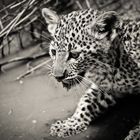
99, 49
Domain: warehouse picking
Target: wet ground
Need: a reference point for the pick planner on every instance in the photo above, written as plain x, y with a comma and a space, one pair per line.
28, 108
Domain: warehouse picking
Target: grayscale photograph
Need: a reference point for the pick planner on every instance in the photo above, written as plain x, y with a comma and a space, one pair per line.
69, 69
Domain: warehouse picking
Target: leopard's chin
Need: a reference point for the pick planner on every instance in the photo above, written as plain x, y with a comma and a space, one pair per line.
69, 83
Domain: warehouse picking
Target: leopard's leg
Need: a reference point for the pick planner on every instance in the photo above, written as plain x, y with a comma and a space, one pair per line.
134, 134
93, 103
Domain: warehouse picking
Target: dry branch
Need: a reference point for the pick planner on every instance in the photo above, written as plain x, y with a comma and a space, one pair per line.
32, 70
79, 5
13, 23
24, 13
28, 58
88, 4
17, 4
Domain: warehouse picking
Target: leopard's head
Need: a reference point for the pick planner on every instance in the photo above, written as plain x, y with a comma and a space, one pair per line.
79, 39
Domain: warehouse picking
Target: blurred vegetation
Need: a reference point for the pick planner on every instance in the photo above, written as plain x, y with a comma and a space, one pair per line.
18, 17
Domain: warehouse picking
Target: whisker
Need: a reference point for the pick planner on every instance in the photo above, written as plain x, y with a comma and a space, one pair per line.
90, 82
81, 85
50, 74
85, 80
84, 86
49, 71
84, 83
75, 80
78, 91
48, 68
49, 79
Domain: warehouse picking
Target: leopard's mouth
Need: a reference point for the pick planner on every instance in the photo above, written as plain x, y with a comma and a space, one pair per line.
69, 82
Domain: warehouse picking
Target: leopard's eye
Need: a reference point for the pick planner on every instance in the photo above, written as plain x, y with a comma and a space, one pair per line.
53, 51
74, 55
101, 30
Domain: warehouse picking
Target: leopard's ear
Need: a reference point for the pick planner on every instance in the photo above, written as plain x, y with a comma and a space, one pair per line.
51, 19
105, 25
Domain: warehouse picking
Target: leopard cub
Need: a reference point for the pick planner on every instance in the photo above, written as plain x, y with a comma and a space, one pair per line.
97, 48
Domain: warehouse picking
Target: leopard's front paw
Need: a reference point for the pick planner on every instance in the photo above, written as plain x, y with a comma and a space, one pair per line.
67, 128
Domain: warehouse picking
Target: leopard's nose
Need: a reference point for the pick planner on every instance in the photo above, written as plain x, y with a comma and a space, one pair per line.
61, 77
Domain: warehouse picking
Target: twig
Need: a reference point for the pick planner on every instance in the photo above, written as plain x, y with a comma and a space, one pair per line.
7, 6
26, 12
2, 50
1, 25
26, 17
15, 22
20, 40
4, 45
17, 4
28, 58
12, 24
79, 5
4, 29
32, 70
31, 2
88, 4
18, 17
8, 44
